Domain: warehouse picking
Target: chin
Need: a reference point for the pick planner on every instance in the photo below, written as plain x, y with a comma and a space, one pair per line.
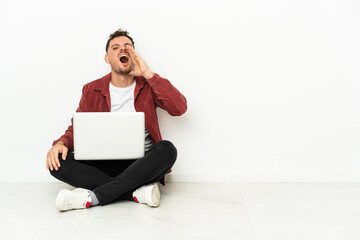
123, 71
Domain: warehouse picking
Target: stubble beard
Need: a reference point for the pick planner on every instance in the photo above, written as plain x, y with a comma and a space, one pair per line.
123, 71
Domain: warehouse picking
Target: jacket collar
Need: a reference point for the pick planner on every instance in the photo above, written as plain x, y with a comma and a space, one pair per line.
103, 85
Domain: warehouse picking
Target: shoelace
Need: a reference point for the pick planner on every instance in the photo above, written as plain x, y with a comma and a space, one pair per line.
77, 200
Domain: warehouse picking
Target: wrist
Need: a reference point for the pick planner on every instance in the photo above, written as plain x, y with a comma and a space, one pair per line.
60, 143
148, 75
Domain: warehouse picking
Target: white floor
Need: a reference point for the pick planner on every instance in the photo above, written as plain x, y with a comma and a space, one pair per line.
190, 211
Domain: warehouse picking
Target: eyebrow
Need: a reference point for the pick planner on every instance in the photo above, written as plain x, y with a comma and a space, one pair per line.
119, 44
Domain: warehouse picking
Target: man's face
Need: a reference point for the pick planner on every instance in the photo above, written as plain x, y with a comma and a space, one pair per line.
118, 56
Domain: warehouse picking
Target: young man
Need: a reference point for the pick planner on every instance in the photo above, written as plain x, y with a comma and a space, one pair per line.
131, 86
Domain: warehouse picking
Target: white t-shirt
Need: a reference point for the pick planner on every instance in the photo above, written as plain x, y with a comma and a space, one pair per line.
122, 100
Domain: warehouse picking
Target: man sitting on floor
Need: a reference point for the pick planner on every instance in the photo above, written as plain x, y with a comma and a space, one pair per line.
131, 86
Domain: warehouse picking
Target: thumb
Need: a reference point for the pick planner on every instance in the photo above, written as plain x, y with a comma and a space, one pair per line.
131, 73
64, 154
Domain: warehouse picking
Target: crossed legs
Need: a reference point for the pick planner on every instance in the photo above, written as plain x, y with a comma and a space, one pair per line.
117, 179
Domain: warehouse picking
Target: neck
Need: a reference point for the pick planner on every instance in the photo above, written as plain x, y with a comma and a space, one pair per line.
119, 80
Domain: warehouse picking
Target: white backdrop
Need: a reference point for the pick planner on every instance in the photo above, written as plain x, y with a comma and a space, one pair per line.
272, 86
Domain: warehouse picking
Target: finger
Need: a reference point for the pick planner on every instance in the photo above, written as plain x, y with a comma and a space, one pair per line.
53, 160
130, 48
56, 160
50, 163
52, 167
133, 59
137, 60
133, 54
57, 163
47, 162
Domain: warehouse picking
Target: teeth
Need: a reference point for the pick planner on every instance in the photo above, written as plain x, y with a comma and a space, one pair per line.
123, 58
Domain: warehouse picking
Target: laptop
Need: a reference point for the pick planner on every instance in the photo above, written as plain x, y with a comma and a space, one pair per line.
109, 135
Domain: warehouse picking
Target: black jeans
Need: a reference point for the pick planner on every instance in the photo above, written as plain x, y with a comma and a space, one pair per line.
113, 180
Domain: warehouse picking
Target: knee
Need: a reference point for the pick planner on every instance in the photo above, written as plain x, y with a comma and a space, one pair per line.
54, 173
62, 168
169, 150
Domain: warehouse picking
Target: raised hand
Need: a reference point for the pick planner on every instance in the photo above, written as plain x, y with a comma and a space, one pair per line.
140, 67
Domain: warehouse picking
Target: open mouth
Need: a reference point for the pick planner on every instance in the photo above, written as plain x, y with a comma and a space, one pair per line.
124, 59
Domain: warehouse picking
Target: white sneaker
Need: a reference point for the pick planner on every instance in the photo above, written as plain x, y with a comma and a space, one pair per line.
148, 194
78, 198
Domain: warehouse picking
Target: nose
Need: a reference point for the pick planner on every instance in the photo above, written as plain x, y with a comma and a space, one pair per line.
123, 48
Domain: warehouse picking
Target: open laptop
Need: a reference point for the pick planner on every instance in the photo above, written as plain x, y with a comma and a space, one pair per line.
109, 135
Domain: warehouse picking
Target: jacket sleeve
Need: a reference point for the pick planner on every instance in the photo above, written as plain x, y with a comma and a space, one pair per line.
166, 96
68, 137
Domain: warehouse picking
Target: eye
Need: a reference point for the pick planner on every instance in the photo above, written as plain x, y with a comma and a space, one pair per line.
115, 48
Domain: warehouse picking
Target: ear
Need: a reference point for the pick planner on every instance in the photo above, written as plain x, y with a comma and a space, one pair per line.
106, 58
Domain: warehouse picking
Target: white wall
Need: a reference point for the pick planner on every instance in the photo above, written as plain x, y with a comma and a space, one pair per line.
272, 86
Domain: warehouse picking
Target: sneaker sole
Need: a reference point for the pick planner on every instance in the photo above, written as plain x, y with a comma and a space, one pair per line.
59, 199
155, 196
